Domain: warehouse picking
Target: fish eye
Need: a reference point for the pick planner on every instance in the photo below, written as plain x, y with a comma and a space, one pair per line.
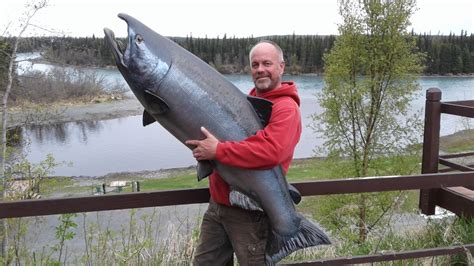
139, 38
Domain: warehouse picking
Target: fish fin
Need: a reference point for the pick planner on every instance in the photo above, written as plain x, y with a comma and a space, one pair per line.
147, 118
204, 169
238, 199
157, 105
263, 108
307, 235
294, 193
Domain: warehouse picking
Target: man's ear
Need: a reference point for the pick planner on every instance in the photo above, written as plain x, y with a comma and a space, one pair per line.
282, 66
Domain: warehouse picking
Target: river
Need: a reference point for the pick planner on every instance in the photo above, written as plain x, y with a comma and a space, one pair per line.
121, 145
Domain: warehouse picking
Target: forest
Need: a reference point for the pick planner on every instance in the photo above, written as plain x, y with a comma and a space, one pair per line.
444, 54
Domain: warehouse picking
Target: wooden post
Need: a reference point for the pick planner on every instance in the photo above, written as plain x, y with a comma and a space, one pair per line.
430, 157
135, 186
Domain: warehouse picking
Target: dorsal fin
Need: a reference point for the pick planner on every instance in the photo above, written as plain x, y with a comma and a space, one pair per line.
262, 107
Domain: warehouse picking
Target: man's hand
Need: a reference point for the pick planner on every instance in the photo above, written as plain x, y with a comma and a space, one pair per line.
206, 148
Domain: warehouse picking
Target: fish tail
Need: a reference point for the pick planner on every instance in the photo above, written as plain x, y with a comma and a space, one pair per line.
307, 235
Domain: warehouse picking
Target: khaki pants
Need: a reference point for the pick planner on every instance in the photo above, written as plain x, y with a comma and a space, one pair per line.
225, 230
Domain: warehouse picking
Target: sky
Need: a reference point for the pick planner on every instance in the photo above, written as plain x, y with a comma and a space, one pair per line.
213, 18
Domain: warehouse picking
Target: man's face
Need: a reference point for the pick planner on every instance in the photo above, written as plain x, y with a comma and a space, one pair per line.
267, 67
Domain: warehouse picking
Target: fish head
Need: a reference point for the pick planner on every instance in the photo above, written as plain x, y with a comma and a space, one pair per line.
144, 61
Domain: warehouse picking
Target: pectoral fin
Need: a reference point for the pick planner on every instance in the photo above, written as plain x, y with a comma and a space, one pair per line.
156, 106
204, 169
147, 118
239, 199
262, 107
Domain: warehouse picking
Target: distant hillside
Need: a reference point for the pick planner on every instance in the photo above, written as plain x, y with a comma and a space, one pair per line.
303, 53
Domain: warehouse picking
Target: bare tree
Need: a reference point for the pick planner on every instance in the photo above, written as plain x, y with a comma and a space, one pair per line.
31, 9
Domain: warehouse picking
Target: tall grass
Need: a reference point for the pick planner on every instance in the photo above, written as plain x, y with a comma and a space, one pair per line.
436, 233
139, 241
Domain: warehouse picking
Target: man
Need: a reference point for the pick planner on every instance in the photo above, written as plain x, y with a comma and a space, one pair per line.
226, 229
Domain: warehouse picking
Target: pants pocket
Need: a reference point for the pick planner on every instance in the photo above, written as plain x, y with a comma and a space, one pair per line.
256, 253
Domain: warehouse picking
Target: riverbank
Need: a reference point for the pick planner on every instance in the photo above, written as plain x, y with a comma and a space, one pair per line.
180, 177
76, 112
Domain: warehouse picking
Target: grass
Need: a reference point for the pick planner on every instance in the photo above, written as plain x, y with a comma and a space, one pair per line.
461, 141
301, 170
174, 182
49, 186
309, 169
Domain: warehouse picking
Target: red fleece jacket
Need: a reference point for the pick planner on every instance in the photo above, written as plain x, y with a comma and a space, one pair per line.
269, 147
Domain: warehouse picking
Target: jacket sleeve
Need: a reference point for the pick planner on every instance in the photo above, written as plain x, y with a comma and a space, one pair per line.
269, 146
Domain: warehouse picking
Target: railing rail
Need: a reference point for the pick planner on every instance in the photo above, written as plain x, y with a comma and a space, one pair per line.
23, 208
389, 256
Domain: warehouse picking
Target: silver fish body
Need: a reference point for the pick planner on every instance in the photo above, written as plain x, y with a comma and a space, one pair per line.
183, 93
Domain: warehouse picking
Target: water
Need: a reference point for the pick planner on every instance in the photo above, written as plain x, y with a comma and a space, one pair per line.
121, 145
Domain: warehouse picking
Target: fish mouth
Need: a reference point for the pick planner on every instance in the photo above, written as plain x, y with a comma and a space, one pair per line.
115, 45
119, 50
137, 60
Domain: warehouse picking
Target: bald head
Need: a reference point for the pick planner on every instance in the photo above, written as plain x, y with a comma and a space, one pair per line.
267, 44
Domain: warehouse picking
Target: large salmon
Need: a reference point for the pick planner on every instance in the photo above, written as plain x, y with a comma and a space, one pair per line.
183, 93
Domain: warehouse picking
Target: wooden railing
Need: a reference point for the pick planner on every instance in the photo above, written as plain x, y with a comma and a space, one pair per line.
11, 209
189, 196
456, 199
429, 183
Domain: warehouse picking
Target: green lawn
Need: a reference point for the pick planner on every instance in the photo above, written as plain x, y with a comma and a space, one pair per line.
301, 170
173, 182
